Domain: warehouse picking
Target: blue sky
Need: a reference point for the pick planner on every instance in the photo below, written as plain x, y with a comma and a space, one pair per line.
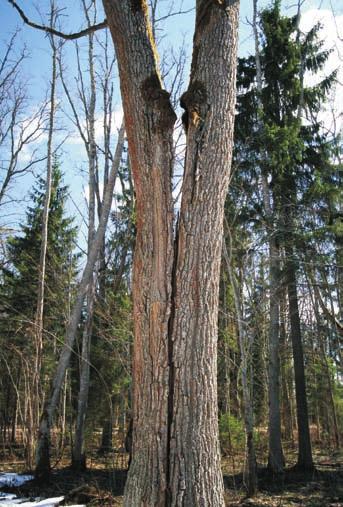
37, 67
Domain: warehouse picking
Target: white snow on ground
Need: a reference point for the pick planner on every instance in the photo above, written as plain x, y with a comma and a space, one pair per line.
24, 502
14, 480
9, 499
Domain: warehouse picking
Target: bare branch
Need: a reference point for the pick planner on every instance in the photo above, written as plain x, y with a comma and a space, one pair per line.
52, 31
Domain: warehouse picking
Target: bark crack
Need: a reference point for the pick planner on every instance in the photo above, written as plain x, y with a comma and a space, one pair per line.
171, 363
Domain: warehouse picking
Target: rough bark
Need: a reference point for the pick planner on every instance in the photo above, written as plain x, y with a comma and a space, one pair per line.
175, 447
149, 122
176, 458
43, 448
194, 476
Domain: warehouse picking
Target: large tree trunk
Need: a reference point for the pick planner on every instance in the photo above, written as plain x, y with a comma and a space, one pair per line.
176, 457
195, 474
149, 123
43, 448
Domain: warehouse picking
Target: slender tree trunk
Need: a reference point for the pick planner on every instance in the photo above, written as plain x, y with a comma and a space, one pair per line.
106, 436
36, 395
78, 455
275, 456
245, 349
287, 409
315, 296
43, 448
305, 461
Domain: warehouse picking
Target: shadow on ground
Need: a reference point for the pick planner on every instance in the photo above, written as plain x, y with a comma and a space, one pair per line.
93, 487
321, 488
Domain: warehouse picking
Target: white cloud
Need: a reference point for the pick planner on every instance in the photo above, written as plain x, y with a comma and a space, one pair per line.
332, 35
117, 117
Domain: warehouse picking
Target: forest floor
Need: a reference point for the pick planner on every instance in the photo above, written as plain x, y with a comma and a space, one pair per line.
103, 483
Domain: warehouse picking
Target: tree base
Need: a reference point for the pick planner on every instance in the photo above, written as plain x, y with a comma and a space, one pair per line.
79, 464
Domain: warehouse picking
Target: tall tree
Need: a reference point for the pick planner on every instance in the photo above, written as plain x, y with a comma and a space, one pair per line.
275, 457
19, 292
43, 448
176, 457
285, 157
175, 449
37, 395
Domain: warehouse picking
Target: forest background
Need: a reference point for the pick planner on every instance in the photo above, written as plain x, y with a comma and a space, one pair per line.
84, 142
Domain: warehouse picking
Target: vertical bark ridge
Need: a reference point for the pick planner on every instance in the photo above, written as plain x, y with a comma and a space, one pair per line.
195, 474
149, 120
176, 459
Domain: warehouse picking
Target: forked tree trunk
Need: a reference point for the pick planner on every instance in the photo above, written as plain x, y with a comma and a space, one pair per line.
43, 448
176, 458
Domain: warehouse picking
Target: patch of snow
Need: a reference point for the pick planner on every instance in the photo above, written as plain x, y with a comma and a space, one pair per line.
24, 502
15, 480
12, 479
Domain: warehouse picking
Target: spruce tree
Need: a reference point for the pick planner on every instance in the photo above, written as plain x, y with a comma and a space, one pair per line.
273, 142
19, 282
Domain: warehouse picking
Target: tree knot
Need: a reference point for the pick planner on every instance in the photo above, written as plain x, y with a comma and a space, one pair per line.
193, 101
159, 99
138, 5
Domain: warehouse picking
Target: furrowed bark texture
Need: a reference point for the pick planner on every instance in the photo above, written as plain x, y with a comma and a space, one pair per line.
149, 120
195, 475
175, 454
